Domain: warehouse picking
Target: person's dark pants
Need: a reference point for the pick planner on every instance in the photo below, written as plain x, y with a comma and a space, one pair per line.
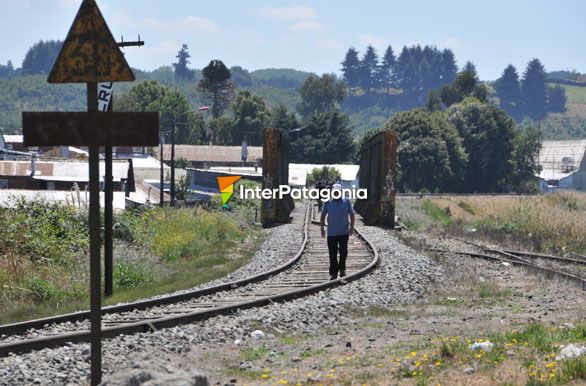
335, 244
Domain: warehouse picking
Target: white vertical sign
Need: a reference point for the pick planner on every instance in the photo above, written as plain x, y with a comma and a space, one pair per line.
104, 95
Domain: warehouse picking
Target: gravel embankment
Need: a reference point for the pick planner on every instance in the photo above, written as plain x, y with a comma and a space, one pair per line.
402, 277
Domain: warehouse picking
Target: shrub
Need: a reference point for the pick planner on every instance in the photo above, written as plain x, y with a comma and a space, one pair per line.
41, 231
128, 275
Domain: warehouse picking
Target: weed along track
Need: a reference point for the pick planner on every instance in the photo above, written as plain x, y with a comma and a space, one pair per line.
304, 274
564, 268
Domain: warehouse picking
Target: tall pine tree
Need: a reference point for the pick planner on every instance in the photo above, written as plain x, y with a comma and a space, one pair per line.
351, 68
369, 70
386, 70
181, 70
534, 90
448, 69
216, 87
508, 89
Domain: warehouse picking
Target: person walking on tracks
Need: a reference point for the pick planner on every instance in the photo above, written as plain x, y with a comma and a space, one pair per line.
337, 210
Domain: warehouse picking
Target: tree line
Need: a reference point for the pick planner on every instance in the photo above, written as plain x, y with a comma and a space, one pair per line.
411, 74
317, 128
530, 95
471, 147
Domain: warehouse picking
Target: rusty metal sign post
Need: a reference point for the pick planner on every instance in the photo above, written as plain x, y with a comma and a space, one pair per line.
91, 55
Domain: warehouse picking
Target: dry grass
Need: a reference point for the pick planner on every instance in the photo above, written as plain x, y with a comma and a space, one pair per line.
549, 222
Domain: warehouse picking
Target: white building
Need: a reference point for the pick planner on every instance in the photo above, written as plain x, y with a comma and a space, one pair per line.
563, 165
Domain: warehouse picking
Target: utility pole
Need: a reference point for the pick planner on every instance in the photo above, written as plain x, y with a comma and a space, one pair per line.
109, 195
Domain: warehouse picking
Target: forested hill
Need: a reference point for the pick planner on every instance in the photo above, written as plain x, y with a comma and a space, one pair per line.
379, 85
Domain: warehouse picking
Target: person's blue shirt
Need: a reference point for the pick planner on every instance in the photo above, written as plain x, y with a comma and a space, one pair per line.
337, 212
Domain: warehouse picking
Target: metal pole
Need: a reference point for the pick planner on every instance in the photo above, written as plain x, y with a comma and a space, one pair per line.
173, 164
95, 248
162, 193
108, 222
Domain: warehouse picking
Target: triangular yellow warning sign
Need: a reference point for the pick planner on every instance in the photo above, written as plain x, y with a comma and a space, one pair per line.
90, 53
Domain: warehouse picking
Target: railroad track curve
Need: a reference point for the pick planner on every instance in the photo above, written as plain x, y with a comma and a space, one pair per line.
304, 274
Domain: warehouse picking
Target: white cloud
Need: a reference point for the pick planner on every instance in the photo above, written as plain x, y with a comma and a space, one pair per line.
298, 12
327, 44
190, 23
308, 26
199, 24
167, 47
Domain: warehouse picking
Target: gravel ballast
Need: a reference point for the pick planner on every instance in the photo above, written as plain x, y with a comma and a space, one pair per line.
403, 276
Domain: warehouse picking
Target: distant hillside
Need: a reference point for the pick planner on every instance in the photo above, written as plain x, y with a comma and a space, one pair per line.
281, 77
19, 93
572, 123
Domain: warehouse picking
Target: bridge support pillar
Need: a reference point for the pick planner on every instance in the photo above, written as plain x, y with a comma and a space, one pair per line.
275, 172
378, 171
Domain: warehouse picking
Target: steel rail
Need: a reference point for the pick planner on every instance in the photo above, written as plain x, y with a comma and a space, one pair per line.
186, 318
21, 327
548, 272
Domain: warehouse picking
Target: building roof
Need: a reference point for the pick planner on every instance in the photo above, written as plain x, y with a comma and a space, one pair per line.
197, 153
61, 170
297, 172
13, 138
62, 196
562, 156
347, 172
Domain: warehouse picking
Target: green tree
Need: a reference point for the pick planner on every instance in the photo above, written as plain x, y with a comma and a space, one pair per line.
386, 70
471, 68
556, 99
146, 96
283, 119
430, 152
351, 68
181, 70
172, 106
508, 89
222, 131
369, 70
40, 58
216, 87
241, 76
325, 173
321, 94
434, 102
488, 135
448, 68
534, 90
325, 138
464, 86
526, 156
7, 71
251, 117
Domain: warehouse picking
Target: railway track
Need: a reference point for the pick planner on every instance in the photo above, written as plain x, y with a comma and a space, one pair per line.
557, 266
306, 273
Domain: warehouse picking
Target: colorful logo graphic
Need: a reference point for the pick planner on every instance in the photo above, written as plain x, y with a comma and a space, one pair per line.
226, 185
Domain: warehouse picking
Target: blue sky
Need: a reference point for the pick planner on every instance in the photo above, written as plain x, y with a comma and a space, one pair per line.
315, 35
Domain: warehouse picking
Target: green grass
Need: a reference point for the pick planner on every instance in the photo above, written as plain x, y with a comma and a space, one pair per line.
467, 207
311, 353
437, 214
575, 94
574, 368
253, 354
546, 339
211, 247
